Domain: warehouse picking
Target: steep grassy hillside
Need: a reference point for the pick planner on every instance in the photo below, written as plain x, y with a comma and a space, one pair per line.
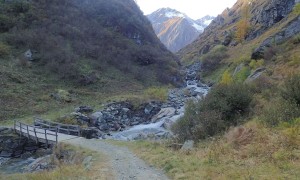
90, 49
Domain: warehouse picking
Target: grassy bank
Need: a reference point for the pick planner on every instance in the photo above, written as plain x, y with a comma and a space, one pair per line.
249, 152
72, 167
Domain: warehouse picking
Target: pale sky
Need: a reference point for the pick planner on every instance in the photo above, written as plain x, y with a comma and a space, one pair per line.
193, 8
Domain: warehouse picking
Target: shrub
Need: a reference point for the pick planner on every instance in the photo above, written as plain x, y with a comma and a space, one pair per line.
278, 111
286, 107
291, 130
4, 50
231, 100
157, 93
291, 89
254, 64
271, 52
211, 61
296, 39
5, 23
242, 75
226, 78
221, 108
296, 10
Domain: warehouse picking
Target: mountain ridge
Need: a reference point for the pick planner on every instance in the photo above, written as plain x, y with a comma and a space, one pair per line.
176, 29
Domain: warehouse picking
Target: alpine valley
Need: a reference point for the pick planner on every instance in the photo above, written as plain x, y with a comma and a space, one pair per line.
163, 96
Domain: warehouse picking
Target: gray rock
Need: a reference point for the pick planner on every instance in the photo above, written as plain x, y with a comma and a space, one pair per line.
257, 73
87, 162
28, 55
167, 124
289, 31
188, 145
96, 116
84, 109
165, 112
39, 164
238, 69
191, 76
148, 109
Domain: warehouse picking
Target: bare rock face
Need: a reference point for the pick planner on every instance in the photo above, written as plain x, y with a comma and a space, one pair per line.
274, 12
289, 31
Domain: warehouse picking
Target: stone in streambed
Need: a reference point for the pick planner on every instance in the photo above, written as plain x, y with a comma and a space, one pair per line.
166, 112
84, 109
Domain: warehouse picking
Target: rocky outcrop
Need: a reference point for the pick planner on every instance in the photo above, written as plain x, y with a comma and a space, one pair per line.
273, 12
256, 74
289, 31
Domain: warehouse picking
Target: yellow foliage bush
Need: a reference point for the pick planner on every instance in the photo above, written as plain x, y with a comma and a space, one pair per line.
297, 9
226, 78
256, 64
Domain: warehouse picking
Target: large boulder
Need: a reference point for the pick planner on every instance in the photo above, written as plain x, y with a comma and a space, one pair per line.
62, 95
256, 74
165, 112
188, 145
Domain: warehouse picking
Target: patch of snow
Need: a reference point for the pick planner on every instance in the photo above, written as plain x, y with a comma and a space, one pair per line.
172, 14
207, 22
198, 27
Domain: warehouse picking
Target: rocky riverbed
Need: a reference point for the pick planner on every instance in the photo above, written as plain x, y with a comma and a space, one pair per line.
123, 121
118, 120
170, 112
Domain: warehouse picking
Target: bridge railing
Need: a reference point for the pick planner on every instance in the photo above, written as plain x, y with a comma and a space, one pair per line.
61, 128
35, 133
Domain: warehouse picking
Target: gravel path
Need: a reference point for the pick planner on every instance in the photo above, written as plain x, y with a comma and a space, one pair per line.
125, 164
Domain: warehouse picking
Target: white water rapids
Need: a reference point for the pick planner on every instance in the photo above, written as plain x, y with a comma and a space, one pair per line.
157, 129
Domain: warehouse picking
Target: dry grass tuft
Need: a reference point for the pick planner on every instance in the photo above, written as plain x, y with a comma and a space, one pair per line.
239, 136
69, 165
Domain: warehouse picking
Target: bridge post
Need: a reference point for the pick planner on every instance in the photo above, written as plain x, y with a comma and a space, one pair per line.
15, 126
46, 137
56, 135
28, 132
21, 134
79, 131
36, 138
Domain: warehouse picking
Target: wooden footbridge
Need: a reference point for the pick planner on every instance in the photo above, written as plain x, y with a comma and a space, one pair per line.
47, 132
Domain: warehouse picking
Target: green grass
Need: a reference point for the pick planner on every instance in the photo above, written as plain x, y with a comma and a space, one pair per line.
216, 75
25, 92
157, 93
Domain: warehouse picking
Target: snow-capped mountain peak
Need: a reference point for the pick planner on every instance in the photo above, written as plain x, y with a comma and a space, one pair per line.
175, 29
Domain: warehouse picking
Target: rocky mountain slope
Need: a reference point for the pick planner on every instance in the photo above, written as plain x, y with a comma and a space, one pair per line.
251, 30
175, 29
97, 46
254, 17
